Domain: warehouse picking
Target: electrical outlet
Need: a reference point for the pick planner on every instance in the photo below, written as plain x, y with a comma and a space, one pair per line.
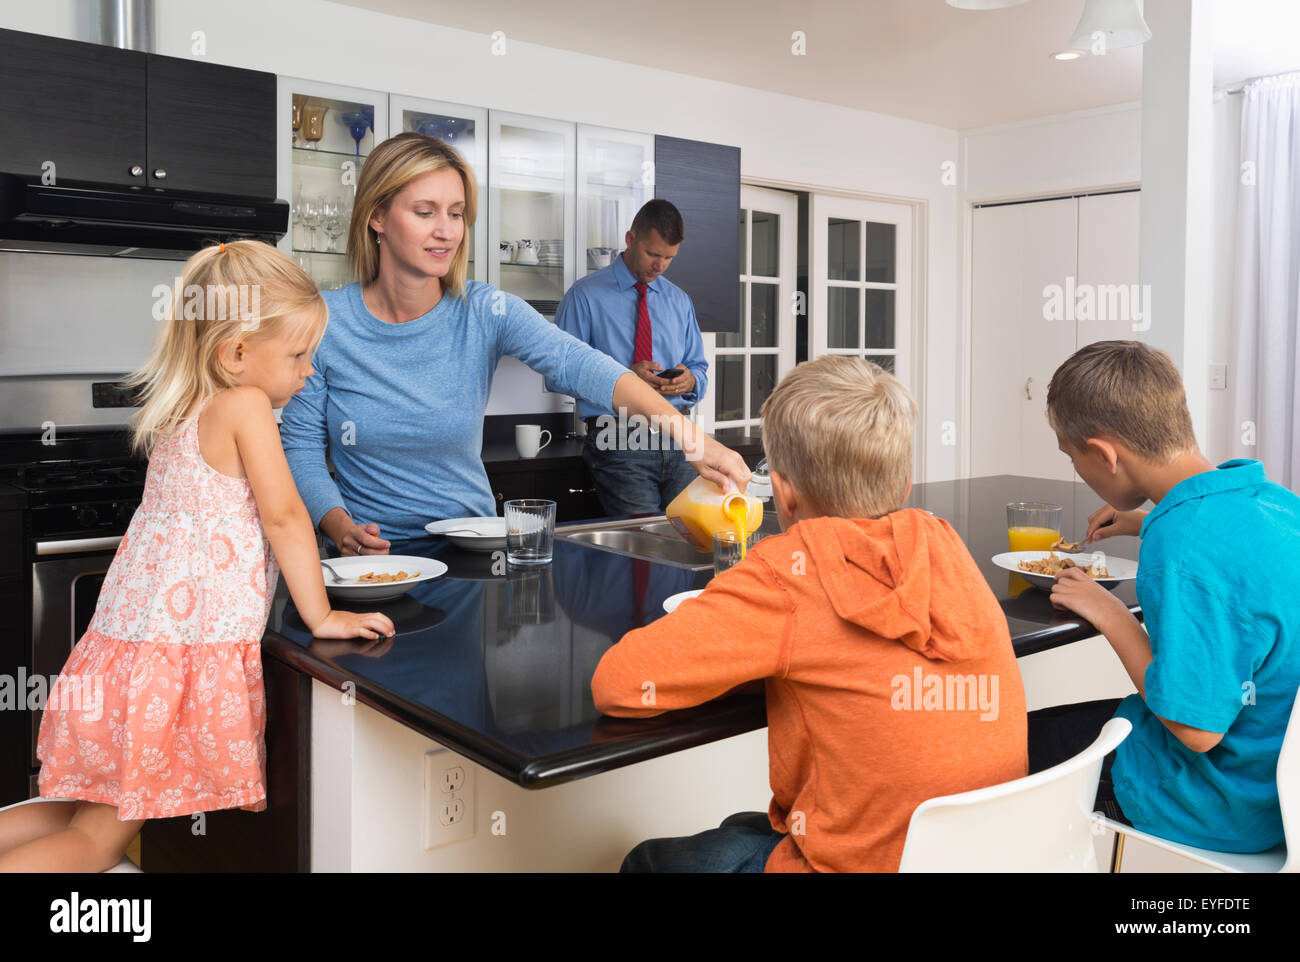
448, 798
1218, 377
453, 779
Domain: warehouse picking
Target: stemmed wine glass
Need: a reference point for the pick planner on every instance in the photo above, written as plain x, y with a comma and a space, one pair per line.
312, 211
357, 124
332, 220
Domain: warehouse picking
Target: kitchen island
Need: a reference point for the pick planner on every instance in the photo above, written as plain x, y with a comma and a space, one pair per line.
494, 664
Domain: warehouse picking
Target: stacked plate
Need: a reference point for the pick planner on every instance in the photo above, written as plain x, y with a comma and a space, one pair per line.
551, 253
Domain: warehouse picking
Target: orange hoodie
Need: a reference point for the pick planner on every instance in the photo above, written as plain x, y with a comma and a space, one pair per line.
889, 672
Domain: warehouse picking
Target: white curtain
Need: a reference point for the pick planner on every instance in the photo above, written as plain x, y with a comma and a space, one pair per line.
1266, 422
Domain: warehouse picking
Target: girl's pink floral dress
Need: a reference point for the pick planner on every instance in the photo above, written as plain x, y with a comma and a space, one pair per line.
174, 645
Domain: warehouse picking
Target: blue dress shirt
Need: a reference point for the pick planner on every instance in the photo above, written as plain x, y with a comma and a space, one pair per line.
600, 309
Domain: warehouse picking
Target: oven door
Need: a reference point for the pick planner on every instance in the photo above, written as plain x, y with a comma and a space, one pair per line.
66, 578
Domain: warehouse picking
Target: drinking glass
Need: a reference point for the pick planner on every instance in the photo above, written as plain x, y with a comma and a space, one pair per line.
312, 211
726, 549
332, 221
313, 124
530, 531
357, 125
299, 101
1033, 525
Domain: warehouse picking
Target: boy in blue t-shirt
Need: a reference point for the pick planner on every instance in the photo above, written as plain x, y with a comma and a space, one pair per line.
1218, 580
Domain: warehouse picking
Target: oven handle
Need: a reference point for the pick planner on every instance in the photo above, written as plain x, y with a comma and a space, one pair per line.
77, 544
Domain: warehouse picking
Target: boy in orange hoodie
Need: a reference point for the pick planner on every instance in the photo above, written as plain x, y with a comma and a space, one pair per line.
887, 662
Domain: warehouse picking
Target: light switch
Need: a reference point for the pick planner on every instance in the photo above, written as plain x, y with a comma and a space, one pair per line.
1218, 377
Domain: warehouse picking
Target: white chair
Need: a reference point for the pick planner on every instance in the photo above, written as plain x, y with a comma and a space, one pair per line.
1040, 823
1276, 859
126, 865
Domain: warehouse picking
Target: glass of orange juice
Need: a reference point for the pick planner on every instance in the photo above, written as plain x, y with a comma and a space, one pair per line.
1033, 525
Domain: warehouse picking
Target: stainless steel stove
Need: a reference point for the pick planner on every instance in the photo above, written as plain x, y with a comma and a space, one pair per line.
68, 504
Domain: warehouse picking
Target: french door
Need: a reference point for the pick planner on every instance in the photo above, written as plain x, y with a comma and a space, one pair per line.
860, 273
745, 367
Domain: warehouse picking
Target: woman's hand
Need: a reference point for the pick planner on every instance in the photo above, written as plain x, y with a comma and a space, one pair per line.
1106, 522
352, 538
351, 624
717, 462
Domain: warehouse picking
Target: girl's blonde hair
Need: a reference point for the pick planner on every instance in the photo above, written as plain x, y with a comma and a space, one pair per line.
840, 430
390, 167
244, 290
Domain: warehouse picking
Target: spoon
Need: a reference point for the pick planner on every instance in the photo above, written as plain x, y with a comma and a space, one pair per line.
336, 578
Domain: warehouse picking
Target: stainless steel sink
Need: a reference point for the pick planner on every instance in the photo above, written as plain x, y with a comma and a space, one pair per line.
649, 539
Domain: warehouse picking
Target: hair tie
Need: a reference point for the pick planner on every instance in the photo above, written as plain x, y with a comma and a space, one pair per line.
221, 248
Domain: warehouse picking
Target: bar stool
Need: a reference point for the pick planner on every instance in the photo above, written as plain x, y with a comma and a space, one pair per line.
125, 866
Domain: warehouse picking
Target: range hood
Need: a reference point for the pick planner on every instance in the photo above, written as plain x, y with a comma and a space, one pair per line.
128, 221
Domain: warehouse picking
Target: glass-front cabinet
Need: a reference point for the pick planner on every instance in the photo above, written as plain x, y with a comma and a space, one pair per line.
531, 208
464, 128
328, 131
615, 178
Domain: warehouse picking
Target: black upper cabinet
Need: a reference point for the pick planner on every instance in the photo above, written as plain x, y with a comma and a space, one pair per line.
80, 106
211, 128
703, 182
132, 119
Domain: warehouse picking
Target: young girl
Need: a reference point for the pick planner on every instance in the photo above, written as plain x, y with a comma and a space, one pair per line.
174, 642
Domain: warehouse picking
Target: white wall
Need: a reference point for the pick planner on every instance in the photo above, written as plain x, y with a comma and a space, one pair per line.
783, 139
1103, 148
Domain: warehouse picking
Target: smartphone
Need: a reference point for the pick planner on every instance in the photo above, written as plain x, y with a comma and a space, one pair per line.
670, 374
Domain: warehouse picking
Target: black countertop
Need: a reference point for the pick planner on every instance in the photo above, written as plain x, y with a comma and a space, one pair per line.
497, 665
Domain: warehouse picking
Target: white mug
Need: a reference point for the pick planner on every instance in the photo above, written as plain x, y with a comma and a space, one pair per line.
528, 439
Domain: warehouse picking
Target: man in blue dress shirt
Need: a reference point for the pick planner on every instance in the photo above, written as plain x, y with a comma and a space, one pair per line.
633, 313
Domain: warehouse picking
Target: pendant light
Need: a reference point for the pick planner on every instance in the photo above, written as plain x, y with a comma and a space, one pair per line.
984, 4
1119, 21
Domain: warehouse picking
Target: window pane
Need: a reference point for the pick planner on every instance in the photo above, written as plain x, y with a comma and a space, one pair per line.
730, 391
880, 252
766, 229
762, 315
762, 373
884, 360
842, 249
735, 340
880, 318
744, 267
841, 317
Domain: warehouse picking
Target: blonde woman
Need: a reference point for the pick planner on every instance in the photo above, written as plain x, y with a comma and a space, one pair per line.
405, 368
172, 658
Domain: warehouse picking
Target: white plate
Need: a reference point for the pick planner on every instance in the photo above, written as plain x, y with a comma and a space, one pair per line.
386, 564
1121, 569
479, 534
671, 602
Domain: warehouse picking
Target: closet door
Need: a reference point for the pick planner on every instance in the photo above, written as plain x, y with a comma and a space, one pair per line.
1019, 252
1108, 262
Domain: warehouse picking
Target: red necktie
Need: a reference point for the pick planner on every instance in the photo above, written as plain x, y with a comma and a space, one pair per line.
644, 347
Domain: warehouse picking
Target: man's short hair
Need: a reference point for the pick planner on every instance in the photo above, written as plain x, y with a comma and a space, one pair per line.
662, 216
1124, 390
840, 430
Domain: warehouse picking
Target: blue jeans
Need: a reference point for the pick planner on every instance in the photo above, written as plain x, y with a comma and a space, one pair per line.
636, 482
742, 843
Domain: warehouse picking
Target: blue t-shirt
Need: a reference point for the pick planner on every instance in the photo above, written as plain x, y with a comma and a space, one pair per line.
400, 406
1219, 584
